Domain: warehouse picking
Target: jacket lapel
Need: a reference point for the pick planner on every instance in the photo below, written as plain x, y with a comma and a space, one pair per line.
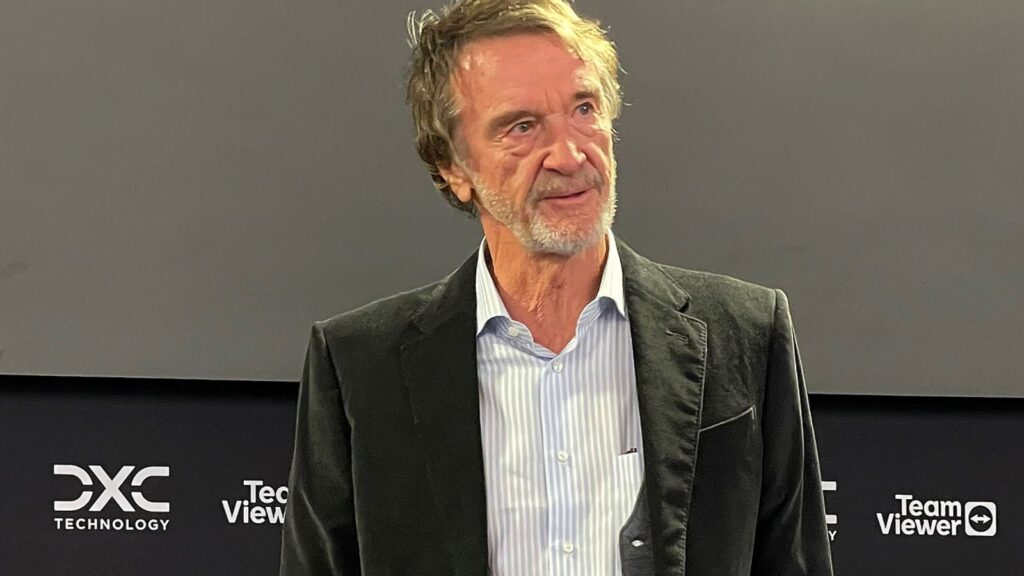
670, 353
439, 359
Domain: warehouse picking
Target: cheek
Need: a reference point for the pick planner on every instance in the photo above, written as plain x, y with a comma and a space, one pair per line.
599, 151
517, 147
514, 177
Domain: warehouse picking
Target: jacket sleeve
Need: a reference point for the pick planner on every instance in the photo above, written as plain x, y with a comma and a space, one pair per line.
319, 535
792, 539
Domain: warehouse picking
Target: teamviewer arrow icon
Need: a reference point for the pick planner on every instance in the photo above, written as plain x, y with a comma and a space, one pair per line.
981, 519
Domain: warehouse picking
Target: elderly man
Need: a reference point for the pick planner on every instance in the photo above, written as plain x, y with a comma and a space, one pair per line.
558, 404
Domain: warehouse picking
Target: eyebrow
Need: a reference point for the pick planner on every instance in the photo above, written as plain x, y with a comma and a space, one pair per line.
498, 123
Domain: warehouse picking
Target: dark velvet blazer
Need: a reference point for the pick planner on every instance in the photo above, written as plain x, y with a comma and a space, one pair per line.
387, 476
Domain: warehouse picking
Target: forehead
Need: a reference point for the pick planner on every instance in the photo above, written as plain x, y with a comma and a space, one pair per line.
518, 67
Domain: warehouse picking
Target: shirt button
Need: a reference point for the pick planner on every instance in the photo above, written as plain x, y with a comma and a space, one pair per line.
637, 543
568, 547
557, 367
562, 456
513, 331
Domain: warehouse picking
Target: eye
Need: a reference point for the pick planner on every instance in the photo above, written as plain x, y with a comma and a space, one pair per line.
586, 108
522, 127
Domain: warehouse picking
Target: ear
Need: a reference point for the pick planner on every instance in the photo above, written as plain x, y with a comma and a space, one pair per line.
458, 181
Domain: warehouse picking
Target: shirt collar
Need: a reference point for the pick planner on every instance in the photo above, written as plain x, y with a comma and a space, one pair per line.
489, 304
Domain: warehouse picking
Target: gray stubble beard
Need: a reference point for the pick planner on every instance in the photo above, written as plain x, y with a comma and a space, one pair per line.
535, 235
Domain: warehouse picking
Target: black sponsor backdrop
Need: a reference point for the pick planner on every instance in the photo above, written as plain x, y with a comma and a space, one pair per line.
215, 435
963, 449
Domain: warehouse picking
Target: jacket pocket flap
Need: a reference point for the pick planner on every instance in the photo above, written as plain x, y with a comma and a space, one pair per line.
749, 412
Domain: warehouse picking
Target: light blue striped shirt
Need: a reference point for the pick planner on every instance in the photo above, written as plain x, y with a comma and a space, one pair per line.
563, 460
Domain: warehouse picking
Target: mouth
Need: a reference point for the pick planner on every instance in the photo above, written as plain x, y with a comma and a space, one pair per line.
569, 197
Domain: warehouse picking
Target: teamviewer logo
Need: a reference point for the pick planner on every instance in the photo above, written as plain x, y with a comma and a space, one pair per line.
980, 518
938, 518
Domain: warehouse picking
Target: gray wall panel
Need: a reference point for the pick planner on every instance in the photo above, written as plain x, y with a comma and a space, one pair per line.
184, 187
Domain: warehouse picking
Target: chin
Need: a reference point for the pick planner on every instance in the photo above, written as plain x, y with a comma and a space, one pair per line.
544, 240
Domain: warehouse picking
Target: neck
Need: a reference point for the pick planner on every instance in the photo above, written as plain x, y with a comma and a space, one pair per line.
546, 292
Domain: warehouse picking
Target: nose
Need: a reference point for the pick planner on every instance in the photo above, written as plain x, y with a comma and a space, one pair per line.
563, 153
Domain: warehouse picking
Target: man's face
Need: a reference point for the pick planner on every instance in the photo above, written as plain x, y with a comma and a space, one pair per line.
536, 143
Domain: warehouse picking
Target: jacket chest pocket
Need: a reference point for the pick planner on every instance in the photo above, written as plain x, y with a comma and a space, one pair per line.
726, 493
729, 454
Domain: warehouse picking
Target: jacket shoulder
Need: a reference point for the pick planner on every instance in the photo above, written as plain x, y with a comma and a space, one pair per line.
722, 298
717, 286
380, 321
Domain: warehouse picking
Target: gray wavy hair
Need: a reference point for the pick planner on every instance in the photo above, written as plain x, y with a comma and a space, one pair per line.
436, 42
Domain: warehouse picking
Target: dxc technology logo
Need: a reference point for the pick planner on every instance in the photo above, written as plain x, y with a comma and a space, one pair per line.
938, 518
111, 493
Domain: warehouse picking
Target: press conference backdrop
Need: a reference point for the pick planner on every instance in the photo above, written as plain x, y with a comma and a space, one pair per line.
185, 186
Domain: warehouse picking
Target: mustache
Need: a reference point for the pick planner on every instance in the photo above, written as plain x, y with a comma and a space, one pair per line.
559, 186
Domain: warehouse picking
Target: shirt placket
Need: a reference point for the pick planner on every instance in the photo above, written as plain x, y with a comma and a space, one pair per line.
561, 471
558, 456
